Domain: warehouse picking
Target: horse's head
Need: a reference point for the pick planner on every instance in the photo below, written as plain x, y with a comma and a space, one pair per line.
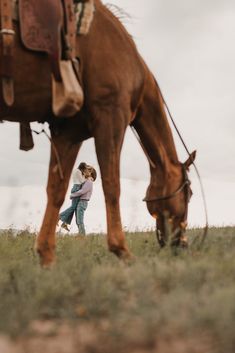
167, 201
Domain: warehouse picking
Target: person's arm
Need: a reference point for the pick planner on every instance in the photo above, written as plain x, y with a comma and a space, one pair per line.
87, 186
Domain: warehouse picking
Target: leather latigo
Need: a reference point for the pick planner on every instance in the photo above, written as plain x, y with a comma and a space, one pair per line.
7, 51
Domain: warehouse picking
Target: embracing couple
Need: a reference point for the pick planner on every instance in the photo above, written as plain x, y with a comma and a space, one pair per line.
83, 178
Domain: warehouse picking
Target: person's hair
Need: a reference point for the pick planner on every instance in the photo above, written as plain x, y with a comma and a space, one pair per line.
82, 166
93, 173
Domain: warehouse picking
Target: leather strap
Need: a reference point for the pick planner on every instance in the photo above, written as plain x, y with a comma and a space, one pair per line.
26, 137
6, 51
70, 29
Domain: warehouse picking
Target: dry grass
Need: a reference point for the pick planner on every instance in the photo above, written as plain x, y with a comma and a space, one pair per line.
163, 302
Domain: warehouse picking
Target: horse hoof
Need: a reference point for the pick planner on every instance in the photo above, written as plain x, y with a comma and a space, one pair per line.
47, 263
181, 242
122, 253
129, 259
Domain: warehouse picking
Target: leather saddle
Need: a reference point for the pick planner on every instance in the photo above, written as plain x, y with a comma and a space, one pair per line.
47, 26
40, 26
50, 26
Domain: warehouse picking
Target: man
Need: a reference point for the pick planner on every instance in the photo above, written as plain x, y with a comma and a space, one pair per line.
84, 195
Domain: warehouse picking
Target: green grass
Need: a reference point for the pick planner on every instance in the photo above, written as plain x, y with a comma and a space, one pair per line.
188, 295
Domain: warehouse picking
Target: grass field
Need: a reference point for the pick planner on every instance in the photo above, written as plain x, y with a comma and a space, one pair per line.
91, 302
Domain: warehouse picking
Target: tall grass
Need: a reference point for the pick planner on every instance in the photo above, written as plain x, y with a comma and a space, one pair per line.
161, 296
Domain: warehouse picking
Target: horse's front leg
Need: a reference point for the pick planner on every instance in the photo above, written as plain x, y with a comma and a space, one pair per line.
109, 134
63, 156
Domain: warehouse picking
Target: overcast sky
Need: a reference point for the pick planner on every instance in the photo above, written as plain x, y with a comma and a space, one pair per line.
189, 46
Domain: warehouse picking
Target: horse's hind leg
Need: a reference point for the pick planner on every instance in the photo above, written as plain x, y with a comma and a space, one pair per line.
56, 190
109, 134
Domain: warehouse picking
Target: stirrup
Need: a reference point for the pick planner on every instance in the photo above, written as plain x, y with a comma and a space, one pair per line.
67, 95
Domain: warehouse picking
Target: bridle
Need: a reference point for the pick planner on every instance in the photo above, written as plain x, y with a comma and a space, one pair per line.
186, 182
185, 186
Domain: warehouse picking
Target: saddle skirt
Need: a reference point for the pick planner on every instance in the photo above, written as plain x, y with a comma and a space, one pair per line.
40, 24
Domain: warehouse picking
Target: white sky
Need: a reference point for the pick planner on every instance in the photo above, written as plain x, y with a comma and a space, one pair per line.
189, 46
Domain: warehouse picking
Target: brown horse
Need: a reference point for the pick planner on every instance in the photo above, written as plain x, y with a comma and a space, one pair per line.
119, 91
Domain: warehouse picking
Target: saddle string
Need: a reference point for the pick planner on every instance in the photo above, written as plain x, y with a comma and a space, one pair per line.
61, 174
195, 167
43, 131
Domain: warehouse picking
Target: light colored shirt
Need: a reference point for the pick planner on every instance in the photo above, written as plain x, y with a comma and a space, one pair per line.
85, 192
78, 177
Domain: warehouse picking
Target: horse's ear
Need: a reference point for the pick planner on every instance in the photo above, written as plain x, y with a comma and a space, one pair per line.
190, 160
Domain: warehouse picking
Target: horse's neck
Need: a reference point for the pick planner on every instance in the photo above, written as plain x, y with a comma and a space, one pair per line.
151, 122
154, 130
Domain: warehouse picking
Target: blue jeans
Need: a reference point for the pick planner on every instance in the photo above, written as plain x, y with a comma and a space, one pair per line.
67, 215
81, 208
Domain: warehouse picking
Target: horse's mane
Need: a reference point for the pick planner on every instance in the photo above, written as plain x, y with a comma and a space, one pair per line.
120, 15
118, 12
